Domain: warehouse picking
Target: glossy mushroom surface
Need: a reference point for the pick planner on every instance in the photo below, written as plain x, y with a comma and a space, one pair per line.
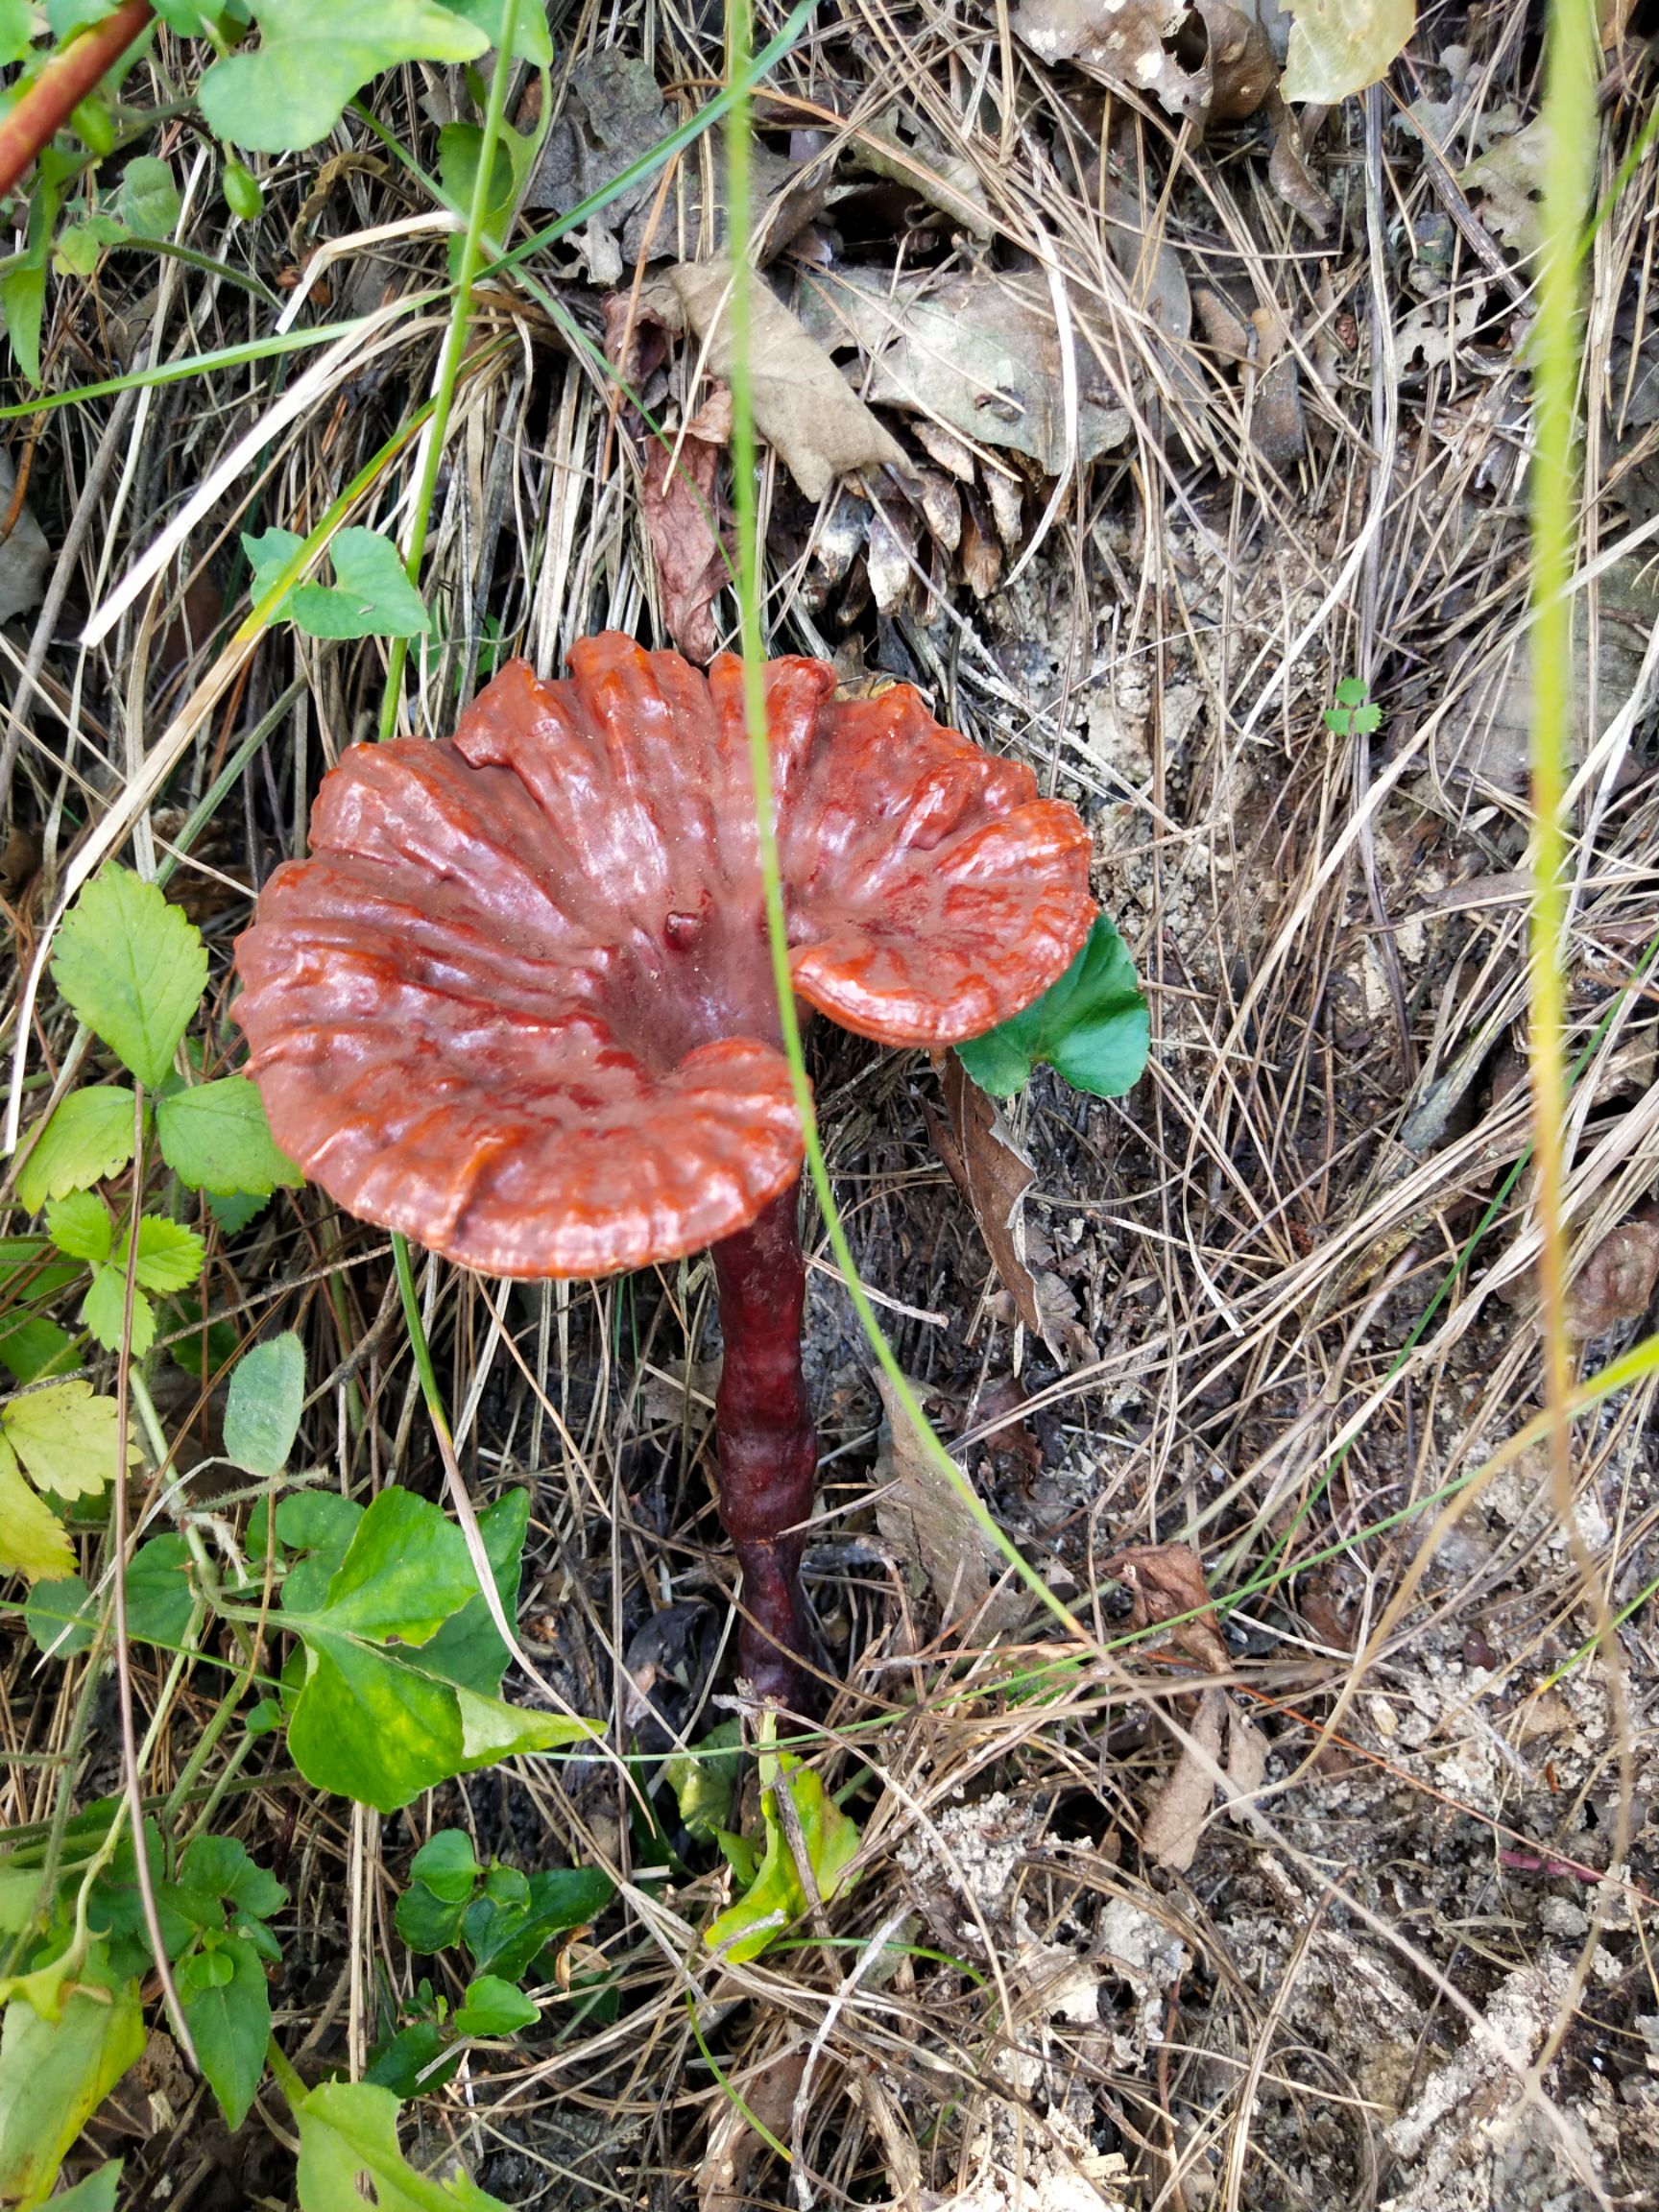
518, 1003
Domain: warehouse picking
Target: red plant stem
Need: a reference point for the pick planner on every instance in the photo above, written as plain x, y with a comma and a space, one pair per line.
767, 1447
62, 84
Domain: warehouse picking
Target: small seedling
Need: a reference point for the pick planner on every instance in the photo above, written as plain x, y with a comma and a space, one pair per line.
1355, 713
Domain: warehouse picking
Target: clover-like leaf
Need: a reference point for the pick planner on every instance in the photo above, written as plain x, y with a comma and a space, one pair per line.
132, 967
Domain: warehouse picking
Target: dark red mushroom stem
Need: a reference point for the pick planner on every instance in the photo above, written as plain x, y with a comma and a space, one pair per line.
768, 1449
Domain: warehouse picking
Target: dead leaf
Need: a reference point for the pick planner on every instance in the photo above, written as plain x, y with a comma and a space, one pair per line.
976, 350
1340, 46
890, 555
1278, 429
803, 407
1289, 171
768, 2091
993, 1175
612, 116
1170, 1832
1165, 1582
1508, 182
680, 506
926, 1518
1616, 1283
898, 145
1205, 59
1246, 1760
25, 555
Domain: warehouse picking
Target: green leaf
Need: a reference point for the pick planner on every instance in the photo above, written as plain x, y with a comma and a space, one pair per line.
426, 1922
268, 555
64, 17
459, 146
170, 1256
229, 2022
704, 1778
79, 247
405, 1572
158, 1595
414, 2061
506, 1929
34, 1349
67, 1438
467, 1650
348, 2156
313, 56
448, 1865
62, 1616
95, 2194
263, 1407
776, 1899
134, 969
105, 1312
22, 305
216, 1138
53, 2078
372, 597
88, 1138
533, 42
320, 1525
148, 202
33, 1541
17, 31
219, 1867
369, 1728
81, 1227
1091, 1025
492, 2007
1340, 46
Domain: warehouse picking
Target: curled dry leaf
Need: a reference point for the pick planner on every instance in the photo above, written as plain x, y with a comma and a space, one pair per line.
1616, 1283
926, 1518
976, 350
680, 507
1166, 1582
1169, 1835
993, 1175
734, 2144
803, 407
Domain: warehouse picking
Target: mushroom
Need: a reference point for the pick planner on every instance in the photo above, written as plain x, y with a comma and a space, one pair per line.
518, 1004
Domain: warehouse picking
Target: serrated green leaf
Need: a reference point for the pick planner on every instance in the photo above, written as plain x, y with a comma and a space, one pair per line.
216, 1138
81, 1227
262, 1411
313, 57
229, 2022
372, 596
148, 202
1091, 1025
170, 1256
33, 1541
61, 1616
88, 1138
349, 2155
776, 1900
53, 2078
132, 967
105, 1312
67, 1438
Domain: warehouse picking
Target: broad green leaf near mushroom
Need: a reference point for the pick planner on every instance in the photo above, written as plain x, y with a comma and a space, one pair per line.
518, 1003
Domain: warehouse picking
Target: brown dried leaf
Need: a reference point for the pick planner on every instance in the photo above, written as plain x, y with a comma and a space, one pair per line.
926, 1518
1246, 1760
1616, 1283
1170, 1835
769, 2092
803, 407
1278, 430
1205, 59
993, 1175
1166, 1580
1288, 173
680, 508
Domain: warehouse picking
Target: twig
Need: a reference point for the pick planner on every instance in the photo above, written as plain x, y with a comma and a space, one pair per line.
62, 84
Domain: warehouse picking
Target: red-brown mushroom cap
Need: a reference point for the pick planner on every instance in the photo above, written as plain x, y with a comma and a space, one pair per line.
518, 1003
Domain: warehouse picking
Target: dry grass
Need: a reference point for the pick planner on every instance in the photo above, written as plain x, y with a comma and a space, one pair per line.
1300, 1254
